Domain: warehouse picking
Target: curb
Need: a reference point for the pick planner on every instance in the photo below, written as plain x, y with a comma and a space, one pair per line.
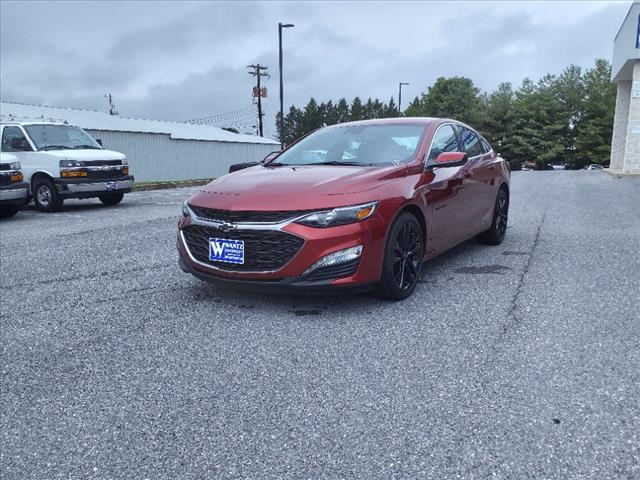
141, 187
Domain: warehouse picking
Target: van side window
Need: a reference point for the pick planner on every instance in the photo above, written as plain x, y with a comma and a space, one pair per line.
444, 140
471, 143
13, 140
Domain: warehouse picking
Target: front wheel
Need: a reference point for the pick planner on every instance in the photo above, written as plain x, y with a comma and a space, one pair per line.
45, 196
402, 258
111, 198
495, 234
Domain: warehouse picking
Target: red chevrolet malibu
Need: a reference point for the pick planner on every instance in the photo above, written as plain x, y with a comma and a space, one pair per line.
359, 204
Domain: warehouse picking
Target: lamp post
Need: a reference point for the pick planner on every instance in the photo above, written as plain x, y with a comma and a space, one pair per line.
400, 97
280, 27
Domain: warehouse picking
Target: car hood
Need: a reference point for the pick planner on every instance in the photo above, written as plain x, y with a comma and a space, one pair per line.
86, 155
295, 188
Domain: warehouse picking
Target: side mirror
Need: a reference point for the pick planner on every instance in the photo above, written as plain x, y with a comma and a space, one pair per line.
99, 140
271, 156
451, 159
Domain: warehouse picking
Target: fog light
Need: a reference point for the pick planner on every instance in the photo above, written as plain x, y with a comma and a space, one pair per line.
341, 256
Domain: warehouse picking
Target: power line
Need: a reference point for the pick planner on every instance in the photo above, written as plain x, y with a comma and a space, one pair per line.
259, 71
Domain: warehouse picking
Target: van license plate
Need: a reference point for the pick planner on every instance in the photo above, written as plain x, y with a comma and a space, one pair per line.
111, 186
229, 251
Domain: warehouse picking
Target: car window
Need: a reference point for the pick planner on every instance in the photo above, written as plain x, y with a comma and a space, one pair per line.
486, 148
444, 140
470, 142
9, 134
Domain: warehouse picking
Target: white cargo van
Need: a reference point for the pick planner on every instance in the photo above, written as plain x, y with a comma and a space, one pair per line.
63, 161
13, 189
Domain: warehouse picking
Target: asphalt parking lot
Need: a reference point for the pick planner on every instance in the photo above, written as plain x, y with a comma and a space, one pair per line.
517, 361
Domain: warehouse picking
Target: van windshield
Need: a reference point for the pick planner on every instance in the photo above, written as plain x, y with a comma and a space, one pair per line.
60, 137
371, 145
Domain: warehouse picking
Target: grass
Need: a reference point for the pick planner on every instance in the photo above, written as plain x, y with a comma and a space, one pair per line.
139, 186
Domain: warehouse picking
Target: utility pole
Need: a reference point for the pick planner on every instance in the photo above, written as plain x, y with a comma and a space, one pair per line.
112, 106
280, 27
400, 97
258, 72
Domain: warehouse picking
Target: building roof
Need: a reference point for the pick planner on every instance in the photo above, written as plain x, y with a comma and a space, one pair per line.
94, 120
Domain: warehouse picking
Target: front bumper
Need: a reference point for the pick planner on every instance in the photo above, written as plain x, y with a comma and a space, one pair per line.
318, 242
87, 187
14, 194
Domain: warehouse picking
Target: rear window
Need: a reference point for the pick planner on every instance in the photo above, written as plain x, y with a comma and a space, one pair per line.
470, 142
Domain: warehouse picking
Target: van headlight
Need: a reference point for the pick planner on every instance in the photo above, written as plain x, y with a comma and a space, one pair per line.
14, 166
71, 163
339, 216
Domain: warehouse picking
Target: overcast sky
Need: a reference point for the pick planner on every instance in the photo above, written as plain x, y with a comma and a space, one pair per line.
177, 61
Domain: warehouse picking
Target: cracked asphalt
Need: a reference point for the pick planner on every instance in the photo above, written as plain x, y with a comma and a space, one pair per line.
517, 361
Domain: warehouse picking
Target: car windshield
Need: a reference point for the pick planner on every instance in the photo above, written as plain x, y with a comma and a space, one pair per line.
376, 145
60, 137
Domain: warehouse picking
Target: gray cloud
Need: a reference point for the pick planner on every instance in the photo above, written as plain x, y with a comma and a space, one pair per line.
184, 60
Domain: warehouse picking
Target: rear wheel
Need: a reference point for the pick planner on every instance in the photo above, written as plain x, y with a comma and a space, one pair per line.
112, 198
7, 211
402, 258
45, 195
495, 234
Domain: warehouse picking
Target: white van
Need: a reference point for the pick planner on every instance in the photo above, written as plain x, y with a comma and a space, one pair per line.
63, 161
13, 189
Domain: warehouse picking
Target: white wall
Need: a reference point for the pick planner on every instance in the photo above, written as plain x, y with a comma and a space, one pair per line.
156, 157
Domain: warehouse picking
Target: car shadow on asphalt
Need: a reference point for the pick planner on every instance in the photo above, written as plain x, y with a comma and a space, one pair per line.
303, 304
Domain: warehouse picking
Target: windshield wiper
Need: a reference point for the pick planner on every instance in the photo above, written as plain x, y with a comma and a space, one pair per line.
55, 147
78, 147
349, 164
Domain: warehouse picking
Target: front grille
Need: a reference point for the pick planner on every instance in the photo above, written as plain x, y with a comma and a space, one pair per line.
264, 250
239, 216
334, 271
104, 174
102, 163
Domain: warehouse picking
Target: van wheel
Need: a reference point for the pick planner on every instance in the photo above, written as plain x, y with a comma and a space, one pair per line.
45, 196
7, 211
112, 198
402, 259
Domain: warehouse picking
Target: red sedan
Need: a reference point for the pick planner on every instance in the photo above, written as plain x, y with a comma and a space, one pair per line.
359, 204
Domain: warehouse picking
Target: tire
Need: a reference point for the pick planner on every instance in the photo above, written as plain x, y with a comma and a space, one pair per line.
402, 258
8, 211
495, 234
112, 198
45, 195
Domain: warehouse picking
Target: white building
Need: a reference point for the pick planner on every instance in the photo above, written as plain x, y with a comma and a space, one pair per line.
156, 150
625, 73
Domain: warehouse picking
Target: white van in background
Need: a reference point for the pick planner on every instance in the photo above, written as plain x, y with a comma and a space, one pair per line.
14, 191
63, 161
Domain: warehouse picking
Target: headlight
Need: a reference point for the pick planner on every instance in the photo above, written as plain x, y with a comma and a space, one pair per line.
339, 216
71, 163
14, 166
185, 210
125, 162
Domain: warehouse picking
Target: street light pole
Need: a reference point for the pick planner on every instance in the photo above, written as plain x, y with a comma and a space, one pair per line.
400, 97
280, 27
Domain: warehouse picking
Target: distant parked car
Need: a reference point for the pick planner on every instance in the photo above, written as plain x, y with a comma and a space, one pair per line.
63, 161
13, 190
558, 167
594, 166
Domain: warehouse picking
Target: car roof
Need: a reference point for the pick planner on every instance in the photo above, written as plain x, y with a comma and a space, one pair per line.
426, 121
40, 122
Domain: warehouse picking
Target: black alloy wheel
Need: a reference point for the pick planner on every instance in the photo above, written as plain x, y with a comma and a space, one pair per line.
403, 258
495, 235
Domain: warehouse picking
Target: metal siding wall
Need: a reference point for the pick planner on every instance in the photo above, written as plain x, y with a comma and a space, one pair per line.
156, 157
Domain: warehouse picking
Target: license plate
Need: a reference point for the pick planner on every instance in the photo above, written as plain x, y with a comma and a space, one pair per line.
112, 186
229, 251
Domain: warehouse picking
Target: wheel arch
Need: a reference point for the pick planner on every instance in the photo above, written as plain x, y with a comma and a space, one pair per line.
418, 213
37, 175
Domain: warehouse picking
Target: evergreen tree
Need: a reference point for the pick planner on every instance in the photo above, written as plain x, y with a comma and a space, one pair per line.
454, 97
